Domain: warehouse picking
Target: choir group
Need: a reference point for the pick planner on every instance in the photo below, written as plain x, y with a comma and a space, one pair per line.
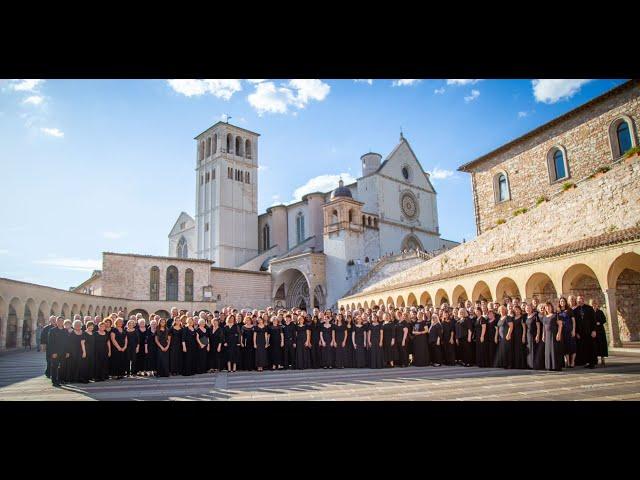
512, 334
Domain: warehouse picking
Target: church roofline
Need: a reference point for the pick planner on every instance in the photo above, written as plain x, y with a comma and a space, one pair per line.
225, 123
175, 259
546, 126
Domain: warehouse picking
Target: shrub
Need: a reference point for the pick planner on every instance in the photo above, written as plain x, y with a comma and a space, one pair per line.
540, 200
567, 185
501, 221
519, 211
631, 151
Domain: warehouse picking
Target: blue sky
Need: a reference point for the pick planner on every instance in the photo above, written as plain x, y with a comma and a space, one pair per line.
107, 165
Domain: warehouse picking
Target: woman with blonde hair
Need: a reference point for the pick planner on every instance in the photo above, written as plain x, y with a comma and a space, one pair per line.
246, 344
231, 343
189, 348
132, 348
504, 336
119, 348
175, 343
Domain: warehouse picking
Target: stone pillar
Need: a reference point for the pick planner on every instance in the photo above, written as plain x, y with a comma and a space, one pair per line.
3, 330
612, 320
19, 322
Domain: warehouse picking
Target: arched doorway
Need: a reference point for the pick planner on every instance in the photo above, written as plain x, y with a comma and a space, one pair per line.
411, 300
481, 291
425, 299
580, 279
541, 286
293, 288
459, 295
144, 313
163, 314
624, 279
507, 288
411, 242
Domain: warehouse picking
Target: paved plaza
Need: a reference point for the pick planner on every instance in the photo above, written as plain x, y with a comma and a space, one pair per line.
21, 378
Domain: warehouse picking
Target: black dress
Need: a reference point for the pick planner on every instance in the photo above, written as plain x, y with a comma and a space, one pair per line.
602, 347
248, 352
448, 348
518, 346
504, 355
302, 352
326, 352
118, 358
403, 350
175, 351
275, 345
289, 351
435, 333
463, 327
349, 352
262, 357
490, 340
101, 356
389, 352
190, 358
339, 350
216, 359
77, 364
90, 347
481, 347
315, 352
163, 358
201, 356
585, 324
360, 349
534, 350
376, 359
232, 339
553, 351
141, 356
420, 345
130, 366
151, 358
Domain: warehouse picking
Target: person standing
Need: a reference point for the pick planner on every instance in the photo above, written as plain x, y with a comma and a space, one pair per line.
289, 333
315, 353
276, 343
327, 342
504, 334
448, 338
534, 348
359, 343
349, 352
569, 344
78, 354
260, 343
189, 349
402, 333
44, 341
602, 348
435, 341
420, 342
481, 338
302, 344
246, 343
552, 327
119, 348
375, 337
132, 348
587, 336
143, 349
56, 349
464, 332
231, 343
151, 358
216, 341
202, 339
519, 339
102, 353
389, 352
340, 342
490, 337
90, 348
175, 346
162, 340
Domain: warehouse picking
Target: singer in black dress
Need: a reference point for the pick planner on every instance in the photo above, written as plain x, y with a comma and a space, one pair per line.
231, 343
481, 338
504, 355
78, 356
141, 355
190, 349
315, 353
216, 349
202, 340
359, 344
162, 339
402, 334
448, 340
420, 342
90, 348
132, 349
102, 353
175, 348
151, 358
326, 344
349, 351
389, 352
302, 343
289, 350
276, 343
435, 341
534, 348
118, 349
519, 339
340, 335
260, 335
602, 348
248, 350
375, 340
490, 338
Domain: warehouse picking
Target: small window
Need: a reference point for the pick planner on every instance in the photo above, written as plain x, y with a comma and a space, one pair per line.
501, 187
206, 227
183, 225
405, 173
213, 174
201, 179
206, 178
557, 162
246, 177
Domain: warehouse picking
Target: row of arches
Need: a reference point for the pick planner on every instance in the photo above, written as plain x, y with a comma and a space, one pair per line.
237, 145
619, 290
18, 315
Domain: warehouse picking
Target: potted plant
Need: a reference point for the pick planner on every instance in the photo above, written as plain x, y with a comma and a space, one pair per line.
601, 171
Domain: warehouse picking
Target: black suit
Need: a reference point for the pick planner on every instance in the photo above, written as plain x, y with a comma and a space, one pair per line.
56, 344
44, 338
586, 353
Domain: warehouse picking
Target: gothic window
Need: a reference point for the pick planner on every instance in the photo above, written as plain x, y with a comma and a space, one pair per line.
334, 217
201, 179
182, 250
188, 285
201, 151
229, 140
183, 225
172, 283
501, 187
557, 164
266, 241
208, 146
213, 174
621, 136
246, 177
239, 146
215, 143
350, 216
206, 178
247, 148
154, 284
229, 173
299, 228
206, 227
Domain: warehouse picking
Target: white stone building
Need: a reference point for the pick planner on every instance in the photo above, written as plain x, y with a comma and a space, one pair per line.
336, 235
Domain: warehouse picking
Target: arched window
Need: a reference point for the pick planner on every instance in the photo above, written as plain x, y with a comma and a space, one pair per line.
501, 187
246, 177
201, 151
188, 285
229, 142
247, 148
208, 146
215, 143
623, 135
334, 217
266, 240
172, 283
300, 227
239, 146
182, 250
557, 164
154, 284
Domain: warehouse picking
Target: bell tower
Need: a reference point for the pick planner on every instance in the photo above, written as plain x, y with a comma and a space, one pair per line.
227, 195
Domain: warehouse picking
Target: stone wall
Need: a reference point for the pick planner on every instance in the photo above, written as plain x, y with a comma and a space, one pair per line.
241, 289
585, 138
628, 301
600, 205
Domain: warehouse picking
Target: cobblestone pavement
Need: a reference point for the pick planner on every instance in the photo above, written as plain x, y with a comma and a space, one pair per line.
21, 378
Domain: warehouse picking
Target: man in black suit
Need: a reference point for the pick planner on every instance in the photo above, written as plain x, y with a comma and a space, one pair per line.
56, 349
44, 338
586, 332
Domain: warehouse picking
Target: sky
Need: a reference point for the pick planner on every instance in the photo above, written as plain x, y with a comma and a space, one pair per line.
107, 165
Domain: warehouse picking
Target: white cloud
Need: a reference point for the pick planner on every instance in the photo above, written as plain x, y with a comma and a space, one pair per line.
440, 174
523, 114
33, 100
439, 91
321, 183
405, 82
474, 94
368, 81
53, 132
462, 81
25, 85
552, 91
113, 235
269, 98
256, 80
71, 264
220, 88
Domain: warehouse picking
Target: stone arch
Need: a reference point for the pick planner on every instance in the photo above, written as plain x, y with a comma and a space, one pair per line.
411, 242
83, 310
359, 306
441, 297
163, 314
614, 144
501, 194
144, 313
353, 306
42, 313
247, 148
229, 143
318, 297
365, 305
506, 287
540, 286
557, 152
15, 306
65, 310
630, 260
459, 294
390, 301
380, 302
411, 300
30, 318
55, 309
481, 291
109, 311
400, 301
425, 299
3, 319
623, 278
295, 288
238, 146
580, 279
74, 310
